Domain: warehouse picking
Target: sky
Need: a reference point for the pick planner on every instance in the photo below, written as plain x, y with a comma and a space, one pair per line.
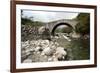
48, 16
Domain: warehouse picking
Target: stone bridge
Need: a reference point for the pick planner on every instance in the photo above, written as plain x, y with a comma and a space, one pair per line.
55, 24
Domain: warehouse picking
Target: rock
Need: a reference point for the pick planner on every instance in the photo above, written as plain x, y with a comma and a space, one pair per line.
48, 51
44, 43
41, 29
50, 59
24, 44
27, 61
55, 58
56, 44
42, 51
37, 48
60, 52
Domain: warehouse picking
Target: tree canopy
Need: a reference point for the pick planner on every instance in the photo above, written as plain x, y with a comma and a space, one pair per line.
83, 27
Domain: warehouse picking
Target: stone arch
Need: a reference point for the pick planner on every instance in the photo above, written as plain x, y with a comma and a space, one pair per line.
59, 24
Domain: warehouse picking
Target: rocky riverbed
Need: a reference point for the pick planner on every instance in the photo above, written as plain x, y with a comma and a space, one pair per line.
41, 51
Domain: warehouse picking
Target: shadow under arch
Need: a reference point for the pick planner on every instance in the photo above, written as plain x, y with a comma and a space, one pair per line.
57, 25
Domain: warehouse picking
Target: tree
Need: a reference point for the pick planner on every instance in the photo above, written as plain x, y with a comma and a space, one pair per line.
29, 21
83, 27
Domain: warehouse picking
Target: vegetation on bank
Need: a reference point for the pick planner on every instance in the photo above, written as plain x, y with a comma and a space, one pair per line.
83, 27
27, 21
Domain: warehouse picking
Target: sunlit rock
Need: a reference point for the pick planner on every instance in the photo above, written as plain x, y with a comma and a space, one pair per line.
27, 61
37, 48
42, 51
60, 52
47, 51
25, 44
50, 59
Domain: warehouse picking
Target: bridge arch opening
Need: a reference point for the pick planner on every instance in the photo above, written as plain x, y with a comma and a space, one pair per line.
60, 24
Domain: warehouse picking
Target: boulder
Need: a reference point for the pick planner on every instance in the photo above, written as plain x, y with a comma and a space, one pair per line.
27, 61
41, 51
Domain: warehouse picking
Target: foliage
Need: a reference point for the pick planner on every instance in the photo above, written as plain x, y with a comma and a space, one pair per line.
83, 27
28, 21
